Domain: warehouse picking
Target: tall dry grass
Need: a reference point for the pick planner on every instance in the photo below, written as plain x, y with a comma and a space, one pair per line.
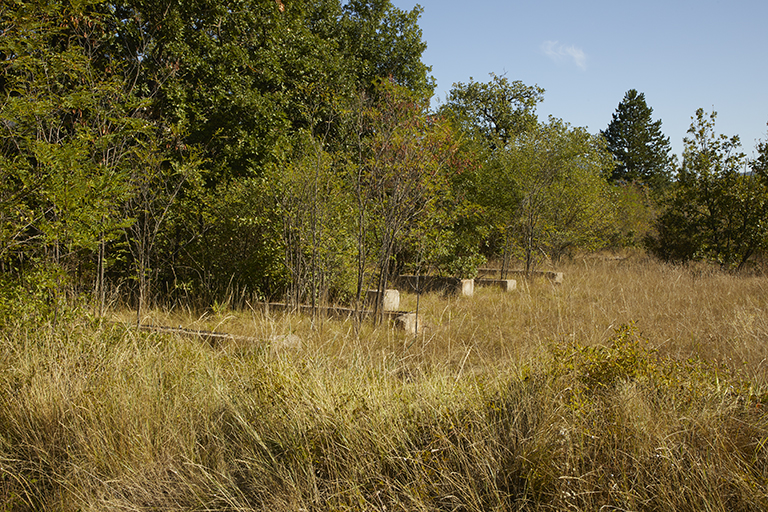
682, 311
534, 400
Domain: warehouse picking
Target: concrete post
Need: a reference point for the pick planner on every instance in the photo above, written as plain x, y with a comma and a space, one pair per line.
390, 302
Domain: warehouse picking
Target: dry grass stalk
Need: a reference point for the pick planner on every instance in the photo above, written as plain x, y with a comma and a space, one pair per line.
535, 400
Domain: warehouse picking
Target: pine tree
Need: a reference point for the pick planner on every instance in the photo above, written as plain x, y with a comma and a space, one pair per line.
641, 150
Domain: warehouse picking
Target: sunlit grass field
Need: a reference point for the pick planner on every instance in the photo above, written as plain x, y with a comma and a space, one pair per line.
634, 385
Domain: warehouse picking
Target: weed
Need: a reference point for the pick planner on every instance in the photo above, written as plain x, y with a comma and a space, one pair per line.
526, 401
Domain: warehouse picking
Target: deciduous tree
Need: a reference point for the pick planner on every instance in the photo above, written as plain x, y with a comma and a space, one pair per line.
493, 112
383, 42
70, 119
491, 116
557, 175
718, 210
402, 175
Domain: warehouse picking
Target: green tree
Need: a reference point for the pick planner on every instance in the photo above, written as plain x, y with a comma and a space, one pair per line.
401, 177
557, 175
250, 81
493, 112
69, 125
383, 42
156, 183
718, 210
244, 75
490, 116
315, 209
641, 150
638, 212
235, 74
760, 163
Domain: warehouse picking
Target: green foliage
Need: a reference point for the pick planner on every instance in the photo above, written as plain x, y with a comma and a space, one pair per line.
156, 184
222, 244
760, 164
635, 212
111, 109
311, 198
596, 374
541, 188
29, 299
641, 150
69, 121
401, 181
627, 356
717, 210
384, 42
230, 71
489, 116
245, 76
200, 151
549, 191
493, 113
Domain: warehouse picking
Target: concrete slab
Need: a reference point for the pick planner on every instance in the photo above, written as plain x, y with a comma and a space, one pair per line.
407, 322
507, 285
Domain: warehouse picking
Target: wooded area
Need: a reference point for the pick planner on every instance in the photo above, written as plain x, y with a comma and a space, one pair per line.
212, 152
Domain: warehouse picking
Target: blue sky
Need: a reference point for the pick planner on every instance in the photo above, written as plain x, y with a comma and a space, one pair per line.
587, 54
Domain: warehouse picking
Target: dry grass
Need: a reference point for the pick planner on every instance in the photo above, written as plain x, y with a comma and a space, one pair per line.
682, 311
533, 400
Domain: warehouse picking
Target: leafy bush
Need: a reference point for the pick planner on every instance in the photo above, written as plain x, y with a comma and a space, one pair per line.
30, 298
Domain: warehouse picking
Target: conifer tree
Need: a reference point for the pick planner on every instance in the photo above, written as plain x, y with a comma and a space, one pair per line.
641, 150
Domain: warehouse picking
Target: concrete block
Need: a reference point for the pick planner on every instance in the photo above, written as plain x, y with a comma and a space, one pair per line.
407, 322
390, 302
555, 277
285, 341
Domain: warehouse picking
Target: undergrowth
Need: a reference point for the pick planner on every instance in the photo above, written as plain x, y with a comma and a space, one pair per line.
102, 417
543, 399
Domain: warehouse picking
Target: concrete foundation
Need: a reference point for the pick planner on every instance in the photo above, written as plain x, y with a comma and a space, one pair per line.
401, 319
494, 273
408, 323
507, 285
425, 284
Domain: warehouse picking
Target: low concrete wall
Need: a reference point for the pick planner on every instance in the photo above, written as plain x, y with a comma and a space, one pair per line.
507, 285
493, 273
329, 311
391, 300
422, 284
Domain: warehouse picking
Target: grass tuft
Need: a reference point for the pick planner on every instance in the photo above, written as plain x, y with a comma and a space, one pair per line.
632, 386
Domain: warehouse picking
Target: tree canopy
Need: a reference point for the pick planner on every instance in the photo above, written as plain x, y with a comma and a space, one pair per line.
718, 210
641, 150
494, 112
196, 151
553, 184
127, 125
242, 75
